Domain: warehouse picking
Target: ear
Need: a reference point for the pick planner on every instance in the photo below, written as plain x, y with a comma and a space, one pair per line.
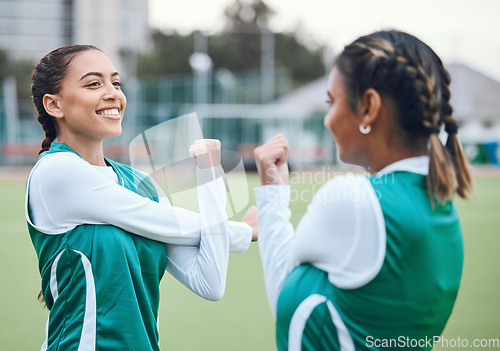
370, 106
51, 103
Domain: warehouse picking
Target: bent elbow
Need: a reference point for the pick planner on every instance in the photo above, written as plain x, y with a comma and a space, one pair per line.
215, 294
208, 289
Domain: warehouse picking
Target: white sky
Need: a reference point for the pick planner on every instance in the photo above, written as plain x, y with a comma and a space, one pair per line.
465, 31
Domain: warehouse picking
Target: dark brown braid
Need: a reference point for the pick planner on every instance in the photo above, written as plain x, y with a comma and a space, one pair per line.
404, 69
46, 79
49, 126
442, 178
453, 146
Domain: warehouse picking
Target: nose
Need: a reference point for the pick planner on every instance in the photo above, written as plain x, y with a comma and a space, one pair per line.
112, 93
326, 120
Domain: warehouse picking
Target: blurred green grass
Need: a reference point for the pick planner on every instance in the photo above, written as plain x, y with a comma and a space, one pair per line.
242, 319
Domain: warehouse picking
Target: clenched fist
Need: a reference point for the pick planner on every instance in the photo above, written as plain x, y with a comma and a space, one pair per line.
206, 152
271, 159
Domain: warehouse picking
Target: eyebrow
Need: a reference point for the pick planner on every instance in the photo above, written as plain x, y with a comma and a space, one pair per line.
98, 74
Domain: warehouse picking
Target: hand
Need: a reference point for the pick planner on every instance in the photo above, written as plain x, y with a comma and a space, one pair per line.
271, 160
250, 218
206, 152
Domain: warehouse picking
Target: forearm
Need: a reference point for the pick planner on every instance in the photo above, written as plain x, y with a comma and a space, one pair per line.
275, 238
203, 269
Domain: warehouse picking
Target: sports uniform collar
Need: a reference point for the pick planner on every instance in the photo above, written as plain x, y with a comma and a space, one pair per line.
54, 147
418, 165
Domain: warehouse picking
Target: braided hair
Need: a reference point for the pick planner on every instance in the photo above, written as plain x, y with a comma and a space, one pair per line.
46, 79
407, 71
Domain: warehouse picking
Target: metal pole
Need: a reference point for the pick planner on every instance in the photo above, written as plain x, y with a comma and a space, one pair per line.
267, 65
11, 109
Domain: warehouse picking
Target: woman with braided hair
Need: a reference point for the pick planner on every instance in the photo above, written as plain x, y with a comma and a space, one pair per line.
102, 234
376, 261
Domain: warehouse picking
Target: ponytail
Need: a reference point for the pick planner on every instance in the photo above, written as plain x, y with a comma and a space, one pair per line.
49, 126
462, 169
442, 178
41, 299
461, 182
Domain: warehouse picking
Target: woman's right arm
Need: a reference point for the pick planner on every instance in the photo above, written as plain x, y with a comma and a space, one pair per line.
275, 229
66, 191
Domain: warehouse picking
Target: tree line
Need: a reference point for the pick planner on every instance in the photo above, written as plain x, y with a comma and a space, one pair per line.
236, 47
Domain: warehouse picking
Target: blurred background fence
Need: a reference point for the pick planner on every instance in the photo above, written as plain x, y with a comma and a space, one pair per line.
232, 111
245, 81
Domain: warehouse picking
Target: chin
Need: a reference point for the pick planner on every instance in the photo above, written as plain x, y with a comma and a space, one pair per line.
113, 134
345, 159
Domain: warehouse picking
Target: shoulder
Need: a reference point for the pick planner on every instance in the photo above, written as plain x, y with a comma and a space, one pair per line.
57, 163
346, 188
344, 231
58, 160
60, 170
351, 180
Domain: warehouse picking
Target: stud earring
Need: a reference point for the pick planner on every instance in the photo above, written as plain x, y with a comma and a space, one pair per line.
365, 130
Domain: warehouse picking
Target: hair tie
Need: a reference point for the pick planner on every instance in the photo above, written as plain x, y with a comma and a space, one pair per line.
432, 130
451, 128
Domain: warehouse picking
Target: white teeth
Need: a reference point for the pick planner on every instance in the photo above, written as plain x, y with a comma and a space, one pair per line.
110, 112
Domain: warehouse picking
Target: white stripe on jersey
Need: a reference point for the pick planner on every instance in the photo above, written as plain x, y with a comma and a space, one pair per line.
88, 335
302, 314
88, 338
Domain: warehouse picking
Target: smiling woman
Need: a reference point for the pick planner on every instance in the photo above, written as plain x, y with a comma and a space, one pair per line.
102, 235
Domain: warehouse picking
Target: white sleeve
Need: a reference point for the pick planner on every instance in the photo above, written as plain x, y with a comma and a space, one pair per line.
275, 238
203, 269
71, 192
343, 232
239, 235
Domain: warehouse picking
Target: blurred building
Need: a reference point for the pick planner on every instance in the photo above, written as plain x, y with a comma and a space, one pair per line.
31, 28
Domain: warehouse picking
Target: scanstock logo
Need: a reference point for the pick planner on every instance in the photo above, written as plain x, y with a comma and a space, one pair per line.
162, 152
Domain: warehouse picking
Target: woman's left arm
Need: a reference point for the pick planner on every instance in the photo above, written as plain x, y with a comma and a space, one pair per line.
203, 269
275, 230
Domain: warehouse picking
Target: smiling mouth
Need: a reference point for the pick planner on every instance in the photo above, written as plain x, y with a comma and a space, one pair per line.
112, 113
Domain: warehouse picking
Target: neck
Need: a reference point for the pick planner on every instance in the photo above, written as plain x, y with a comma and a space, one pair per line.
390, 145
393, 156
90, 150
383, 154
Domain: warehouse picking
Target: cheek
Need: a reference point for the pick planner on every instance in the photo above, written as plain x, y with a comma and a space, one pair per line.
124, 101
122, 96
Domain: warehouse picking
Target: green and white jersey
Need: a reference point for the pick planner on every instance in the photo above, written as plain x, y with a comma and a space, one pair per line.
371, 265
102, 265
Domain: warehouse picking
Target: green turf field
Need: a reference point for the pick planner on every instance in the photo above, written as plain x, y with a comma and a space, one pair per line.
242, 319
